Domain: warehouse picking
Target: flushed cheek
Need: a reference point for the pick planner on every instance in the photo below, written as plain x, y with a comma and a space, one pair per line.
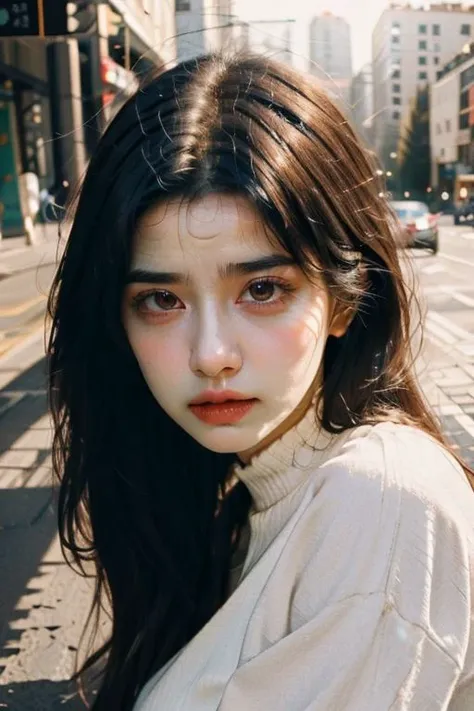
291, 345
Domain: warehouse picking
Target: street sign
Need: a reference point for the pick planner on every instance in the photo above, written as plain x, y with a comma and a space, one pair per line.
19, 18
41, 18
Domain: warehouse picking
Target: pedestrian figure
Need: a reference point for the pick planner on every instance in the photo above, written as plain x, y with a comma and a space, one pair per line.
245, 456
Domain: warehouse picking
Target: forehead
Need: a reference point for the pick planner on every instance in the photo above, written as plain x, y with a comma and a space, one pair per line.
211, 228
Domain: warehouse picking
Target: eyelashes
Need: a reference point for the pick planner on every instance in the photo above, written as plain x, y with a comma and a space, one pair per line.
261, 293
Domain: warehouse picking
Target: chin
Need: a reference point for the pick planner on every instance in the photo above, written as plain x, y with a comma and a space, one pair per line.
225, 440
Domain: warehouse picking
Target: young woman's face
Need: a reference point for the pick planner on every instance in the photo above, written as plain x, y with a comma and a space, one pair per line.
227, 330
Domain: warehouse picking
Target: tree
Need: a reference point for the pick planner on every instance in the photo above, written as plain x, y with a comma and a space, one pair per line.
415, 163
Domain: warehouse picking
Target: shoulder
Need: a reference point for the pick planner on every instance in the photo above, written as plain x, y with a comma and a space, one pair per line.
400, 464
387, 499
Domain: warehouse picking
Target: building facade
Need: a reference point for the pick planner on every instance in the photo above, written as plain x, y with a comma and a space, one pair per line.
362, 102
202, 26
409, 47
56, 94
452, 121
330, 54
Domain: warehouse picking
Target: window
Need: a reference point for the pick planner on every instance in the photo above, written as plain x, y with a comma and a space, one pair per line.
467, 77
422, 60
436, 47
466, 29
438, 129
396, 88
464, 121
396, 74
183, 5
464, 102
447, 125
422, 29
437, 29
423, 44
396, 61
396, 100
422, 76
395, 39
436, 60
396, 115
441, 152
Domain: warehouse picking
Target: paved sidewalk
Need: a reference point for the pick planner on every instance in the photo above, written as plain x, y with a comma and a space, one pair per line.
16, 255
43, 603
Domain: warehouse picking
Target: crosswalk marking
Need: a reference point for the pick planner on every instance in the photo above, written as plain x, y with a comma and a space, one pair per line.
451, 328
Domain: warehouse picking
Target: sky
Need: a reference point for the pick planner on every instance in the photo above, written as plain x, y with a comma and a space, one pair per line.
362, 16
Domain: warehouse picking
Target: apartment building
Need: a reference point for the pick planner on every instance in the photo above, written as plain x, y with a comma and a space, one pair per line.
409, 47
452, 120
330, 54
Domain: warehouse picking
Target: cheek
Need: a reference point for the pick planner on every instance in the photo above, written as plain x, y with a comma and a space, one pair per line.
295, 342
159, 357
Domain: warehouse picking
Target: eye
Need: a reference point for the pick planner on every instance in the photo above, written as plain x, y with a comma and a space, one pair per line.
157, 301
268, 290
262, 290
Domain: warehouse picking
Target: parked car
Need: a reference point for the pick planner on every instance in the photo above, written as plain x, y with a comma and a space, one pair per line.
464, 214
419, 226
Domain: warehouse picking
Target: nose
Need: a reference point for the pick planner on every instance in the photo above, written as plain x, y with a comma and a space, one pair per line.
214, 350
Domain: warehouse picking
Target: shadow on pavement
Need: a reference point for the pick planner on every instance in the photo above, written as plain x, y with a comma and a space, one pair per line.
22, 547
42, 695
27, 530
23, 403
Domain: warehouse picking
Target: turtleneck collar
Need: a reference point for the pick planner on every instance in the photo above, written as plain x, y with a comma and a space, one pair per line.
280, 468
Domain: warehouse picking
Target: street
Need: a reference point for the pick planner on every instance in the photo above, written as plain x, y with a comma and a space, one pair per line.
43, 605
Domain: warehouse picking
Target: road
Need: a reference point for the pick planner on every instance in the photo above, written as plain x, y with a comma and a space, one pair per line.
42, 603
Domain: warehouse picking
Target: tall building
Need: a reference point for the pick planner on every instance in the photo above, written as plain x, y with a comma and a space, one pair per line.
409, 47
362, 102
202, 26
452, 121
330, 53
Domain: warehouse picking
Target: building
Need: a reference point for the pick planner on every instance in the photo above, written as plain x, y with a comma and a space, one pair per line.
270, 38
330, 54
361, 100
56, 92
409, 47
202, 26
452, 121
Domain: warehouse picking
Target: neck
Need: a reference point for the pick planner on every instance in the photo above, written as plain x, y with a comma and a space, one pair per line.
288, 423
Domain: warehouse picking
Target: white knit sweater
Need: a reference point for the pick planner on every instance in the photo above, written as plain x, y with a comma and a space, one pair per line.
357, 589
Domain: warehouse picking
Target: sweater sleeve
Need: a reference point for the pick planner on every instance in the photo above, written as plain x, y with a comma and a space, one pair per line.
386, 626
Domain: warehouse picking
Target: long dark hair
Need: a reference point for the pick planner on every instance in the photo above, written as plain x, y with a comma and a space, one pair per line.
140, 500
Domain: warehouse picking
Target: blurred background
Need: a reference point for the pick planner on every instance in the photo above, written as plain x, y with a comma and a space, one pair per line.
404, 76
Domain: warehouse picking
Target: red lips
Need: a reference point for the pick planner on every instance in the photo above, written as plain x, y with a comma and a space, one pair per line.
225, 407
218, 396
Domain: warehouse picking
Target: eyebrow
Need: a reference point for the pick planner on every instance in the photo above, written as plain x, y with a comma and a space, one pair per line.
144, 276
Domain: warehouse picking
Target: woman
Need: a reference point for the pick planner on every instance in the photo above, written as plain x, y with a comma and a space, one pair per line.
230, 356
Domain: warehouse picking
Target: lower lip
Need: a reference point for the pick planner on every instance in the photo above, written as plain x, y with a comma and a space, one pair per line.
222, 413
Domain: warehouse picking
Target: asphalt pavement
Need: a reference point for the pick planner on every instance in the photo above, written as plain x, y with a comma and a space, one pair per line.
43, 604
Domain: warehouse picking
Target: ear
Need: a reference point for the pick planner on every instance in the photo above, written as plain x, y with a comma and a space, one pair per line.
340, 321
